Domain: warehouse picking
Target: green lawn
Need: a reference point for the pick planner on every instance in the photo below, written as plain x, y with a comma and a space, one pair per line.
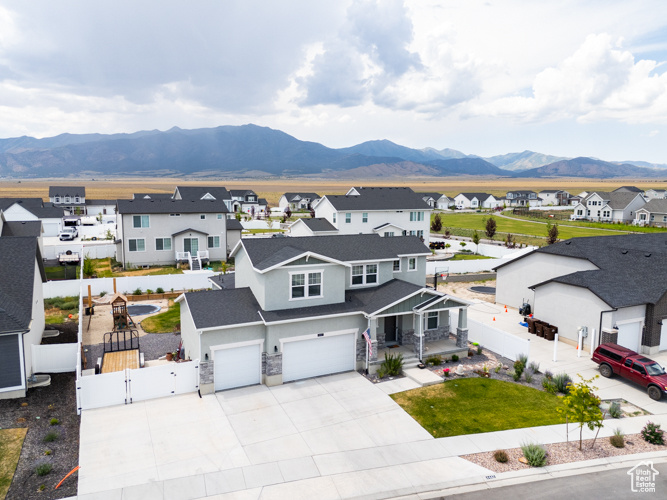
476, 405
165, 322
260, 231
57, 309
62, 272
468, 256
11, 442
514, 226
597, 225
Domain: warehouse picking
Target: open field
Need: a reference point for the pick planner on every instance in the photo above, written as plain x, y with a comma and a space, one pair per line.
272, 189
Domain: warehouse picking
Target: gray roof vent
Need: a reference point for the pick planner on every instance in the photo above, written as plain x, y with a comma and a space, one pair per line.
624, 252
647, 255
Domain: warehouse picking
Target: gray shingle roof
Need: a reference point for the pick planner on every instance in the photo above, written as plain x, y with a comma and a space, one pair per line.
161, 206
632, 267
291, 196
37, 207
17, 282
632, 189
67, 191
479, 196
267, 252
656, 206
100, 202
241, 192
22, 228
234, 225
317, 224
196, 192
435, 196
152, 196
380, 198
223, 307
227, 281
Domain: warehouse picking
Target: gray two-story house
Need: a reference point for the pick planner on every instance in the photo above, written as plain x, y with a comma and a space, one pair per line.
165, 231
300, 305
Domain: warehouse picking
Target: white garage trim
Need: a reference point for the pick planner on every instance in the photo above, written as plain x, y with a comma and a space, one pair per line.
247, 370
634, 340
663, 335
319, 354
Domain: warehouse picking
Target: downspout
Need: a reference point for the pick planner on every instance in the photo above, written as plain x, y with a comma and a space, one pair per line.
600, 329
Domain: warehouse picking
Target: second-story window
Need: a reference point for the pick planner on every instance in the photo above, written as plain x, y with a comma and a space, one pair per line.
364, 217
348, 218
334, 217
306, 285
416, 216
57, 199
412, 264
202, 216
364, 274
140, 221
397, 265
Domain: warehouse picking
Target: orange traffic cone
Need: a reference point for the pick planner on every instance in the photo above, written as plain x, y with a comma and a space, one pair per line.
505, 308
494, 318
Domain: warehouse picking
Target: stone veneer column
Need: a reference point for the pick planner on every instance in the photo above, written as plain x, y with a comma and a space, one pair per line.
274, 369
462, 337
206, 385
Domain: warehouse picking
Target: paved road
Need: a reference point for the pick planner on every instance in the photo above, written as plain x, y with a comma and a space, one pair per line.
610, 485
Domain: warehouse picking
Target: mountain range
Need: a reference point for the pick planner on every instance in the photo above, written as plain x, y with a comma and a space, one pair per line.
254, 151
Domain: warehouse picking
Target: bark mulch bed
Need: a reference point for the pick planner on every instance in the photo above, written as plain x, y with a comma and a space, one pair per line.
562, 453
35, 412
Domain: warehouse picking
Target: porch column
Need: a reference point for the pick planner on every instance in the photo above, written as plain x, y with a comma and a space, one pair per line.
373, 325
462, 329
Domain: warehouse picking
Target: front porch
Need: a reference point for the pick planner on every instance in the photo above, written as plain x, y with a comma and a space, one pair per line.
445, 348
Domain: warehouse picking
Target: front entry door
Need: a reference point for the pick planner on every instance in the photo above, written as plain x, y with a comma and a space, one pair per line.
191, 245
390, 329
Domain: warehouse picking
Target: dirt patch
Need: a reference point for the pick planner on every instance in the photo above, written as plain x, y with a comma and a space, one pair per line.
34, 412
462, 290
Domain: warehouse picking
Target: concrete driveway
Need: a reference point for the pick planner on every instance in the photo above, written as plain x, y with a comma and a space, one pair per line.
332, 437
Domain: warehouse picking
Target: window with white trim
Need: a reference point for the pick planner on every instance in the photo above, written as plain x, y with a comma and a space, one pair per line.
334, 217
364, 274
652, 217
606, 213
140, 221
416, 216
219, 216
57, 199
364, 217
431, 321
77, 200
397, 265
389, 233
348, 218
299, 289
67, 199
162, 243
664, 218
420, 233
202, 216
136, 245
412, 264
214, 242
174, 215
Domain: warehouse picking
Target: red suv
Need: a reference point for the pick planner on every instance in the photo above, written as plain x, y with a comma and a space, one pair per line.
619, 360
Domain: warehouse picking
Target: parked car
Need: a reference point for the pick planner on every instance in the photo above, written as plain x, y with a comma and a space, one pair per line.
618, 360
68, 233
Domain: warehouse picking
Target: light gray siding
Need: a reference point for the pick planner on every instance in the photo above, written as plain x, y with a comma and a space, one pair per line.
277, 284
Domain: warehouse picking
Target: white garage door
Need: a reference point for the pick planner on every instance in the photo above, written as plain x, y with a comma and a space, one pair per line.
663, 335
630, 335
318, 356
237, 366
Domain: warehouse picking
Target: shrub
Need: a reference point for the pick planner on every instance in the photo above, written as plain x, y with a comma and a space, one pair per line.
435, 360
455, 358
535, 454
501, 456
534, 366
149, 291
479, 349
54, 421
103, 293
68, 306
528, 376
548, 374
523, 358
498, 368
549, 386
615, 410
392, 365
653, 434
159, 290
137, 292
43, 469
617, 440
562, 381
519, 366
51, 436
516, 375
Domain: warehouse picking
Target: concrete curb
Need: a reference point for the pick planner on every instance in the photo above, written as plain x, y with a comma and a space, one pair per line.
500, 480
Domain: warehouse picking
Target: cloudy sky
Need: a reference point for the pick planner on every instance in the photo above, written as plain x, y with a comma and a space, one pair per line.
567, 77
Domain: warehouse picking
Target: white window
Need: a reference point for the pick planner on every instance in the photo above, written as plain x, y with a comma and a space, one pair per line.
140, 221
348, 218
413, 232
416, 216
202, 216
664, 218
162, 243
652, 217
420, 233
397, 265
174, 215
77, 199
214, 241
364, 217
67, 199
137, 245
364, 274
219, 216
57, 199
300, 290
642, 216
431, 321
389, 233
334, 218
412, 264
580, 212
606, 213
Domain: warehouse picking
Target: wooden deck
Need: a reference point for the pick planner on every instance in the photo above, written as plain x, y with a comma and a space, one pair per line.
119, 360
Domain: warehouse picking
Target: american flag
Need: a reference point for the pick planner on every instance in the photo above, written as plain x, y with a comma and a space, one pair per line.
367, 336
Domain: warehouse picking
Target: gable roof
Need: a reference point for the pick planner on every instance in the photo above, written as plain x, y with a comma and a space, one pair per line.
631, 189
656, 206
268, 252
197, 192
234, 225
479, 196
152, 196
631, 267
435, 196
17, 281
311, 196
67, 191
22, 228
37, 207
379, 198
242, 192
316, 224
162, 206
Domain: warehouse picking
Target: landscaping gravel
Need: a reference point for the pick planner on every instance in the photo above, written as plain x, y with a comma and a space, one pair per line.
562, 453
153, 345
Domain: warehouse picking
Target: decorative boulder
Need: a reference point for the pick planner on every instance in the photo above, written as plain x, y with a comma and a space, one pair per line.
459, 370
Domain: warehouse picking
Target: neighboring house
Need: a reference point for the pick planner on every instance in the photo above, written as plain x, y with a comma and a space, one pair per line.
522, 199
654, 213
554, 197
202, 193
298, 201
368, 210
95, 208
476, 201
655, 194
312, 226
72, 199
247, 201
613, 284
437, 200
628, 189
154, 232
234, 231
617, 206
21, 304
32, 209
154, 196
299, 306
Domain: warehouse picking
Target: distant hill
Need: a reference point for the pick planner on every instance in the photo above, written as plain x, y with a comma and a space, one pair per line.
254, 151
523, 161
589, 167
646, 164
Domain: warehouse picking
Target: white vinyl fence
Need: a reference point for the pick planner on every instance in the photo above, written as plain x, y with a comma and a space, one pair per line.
260, 224
128, 386
93, 249
472, 266
194, 280
54, 358
494, 339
